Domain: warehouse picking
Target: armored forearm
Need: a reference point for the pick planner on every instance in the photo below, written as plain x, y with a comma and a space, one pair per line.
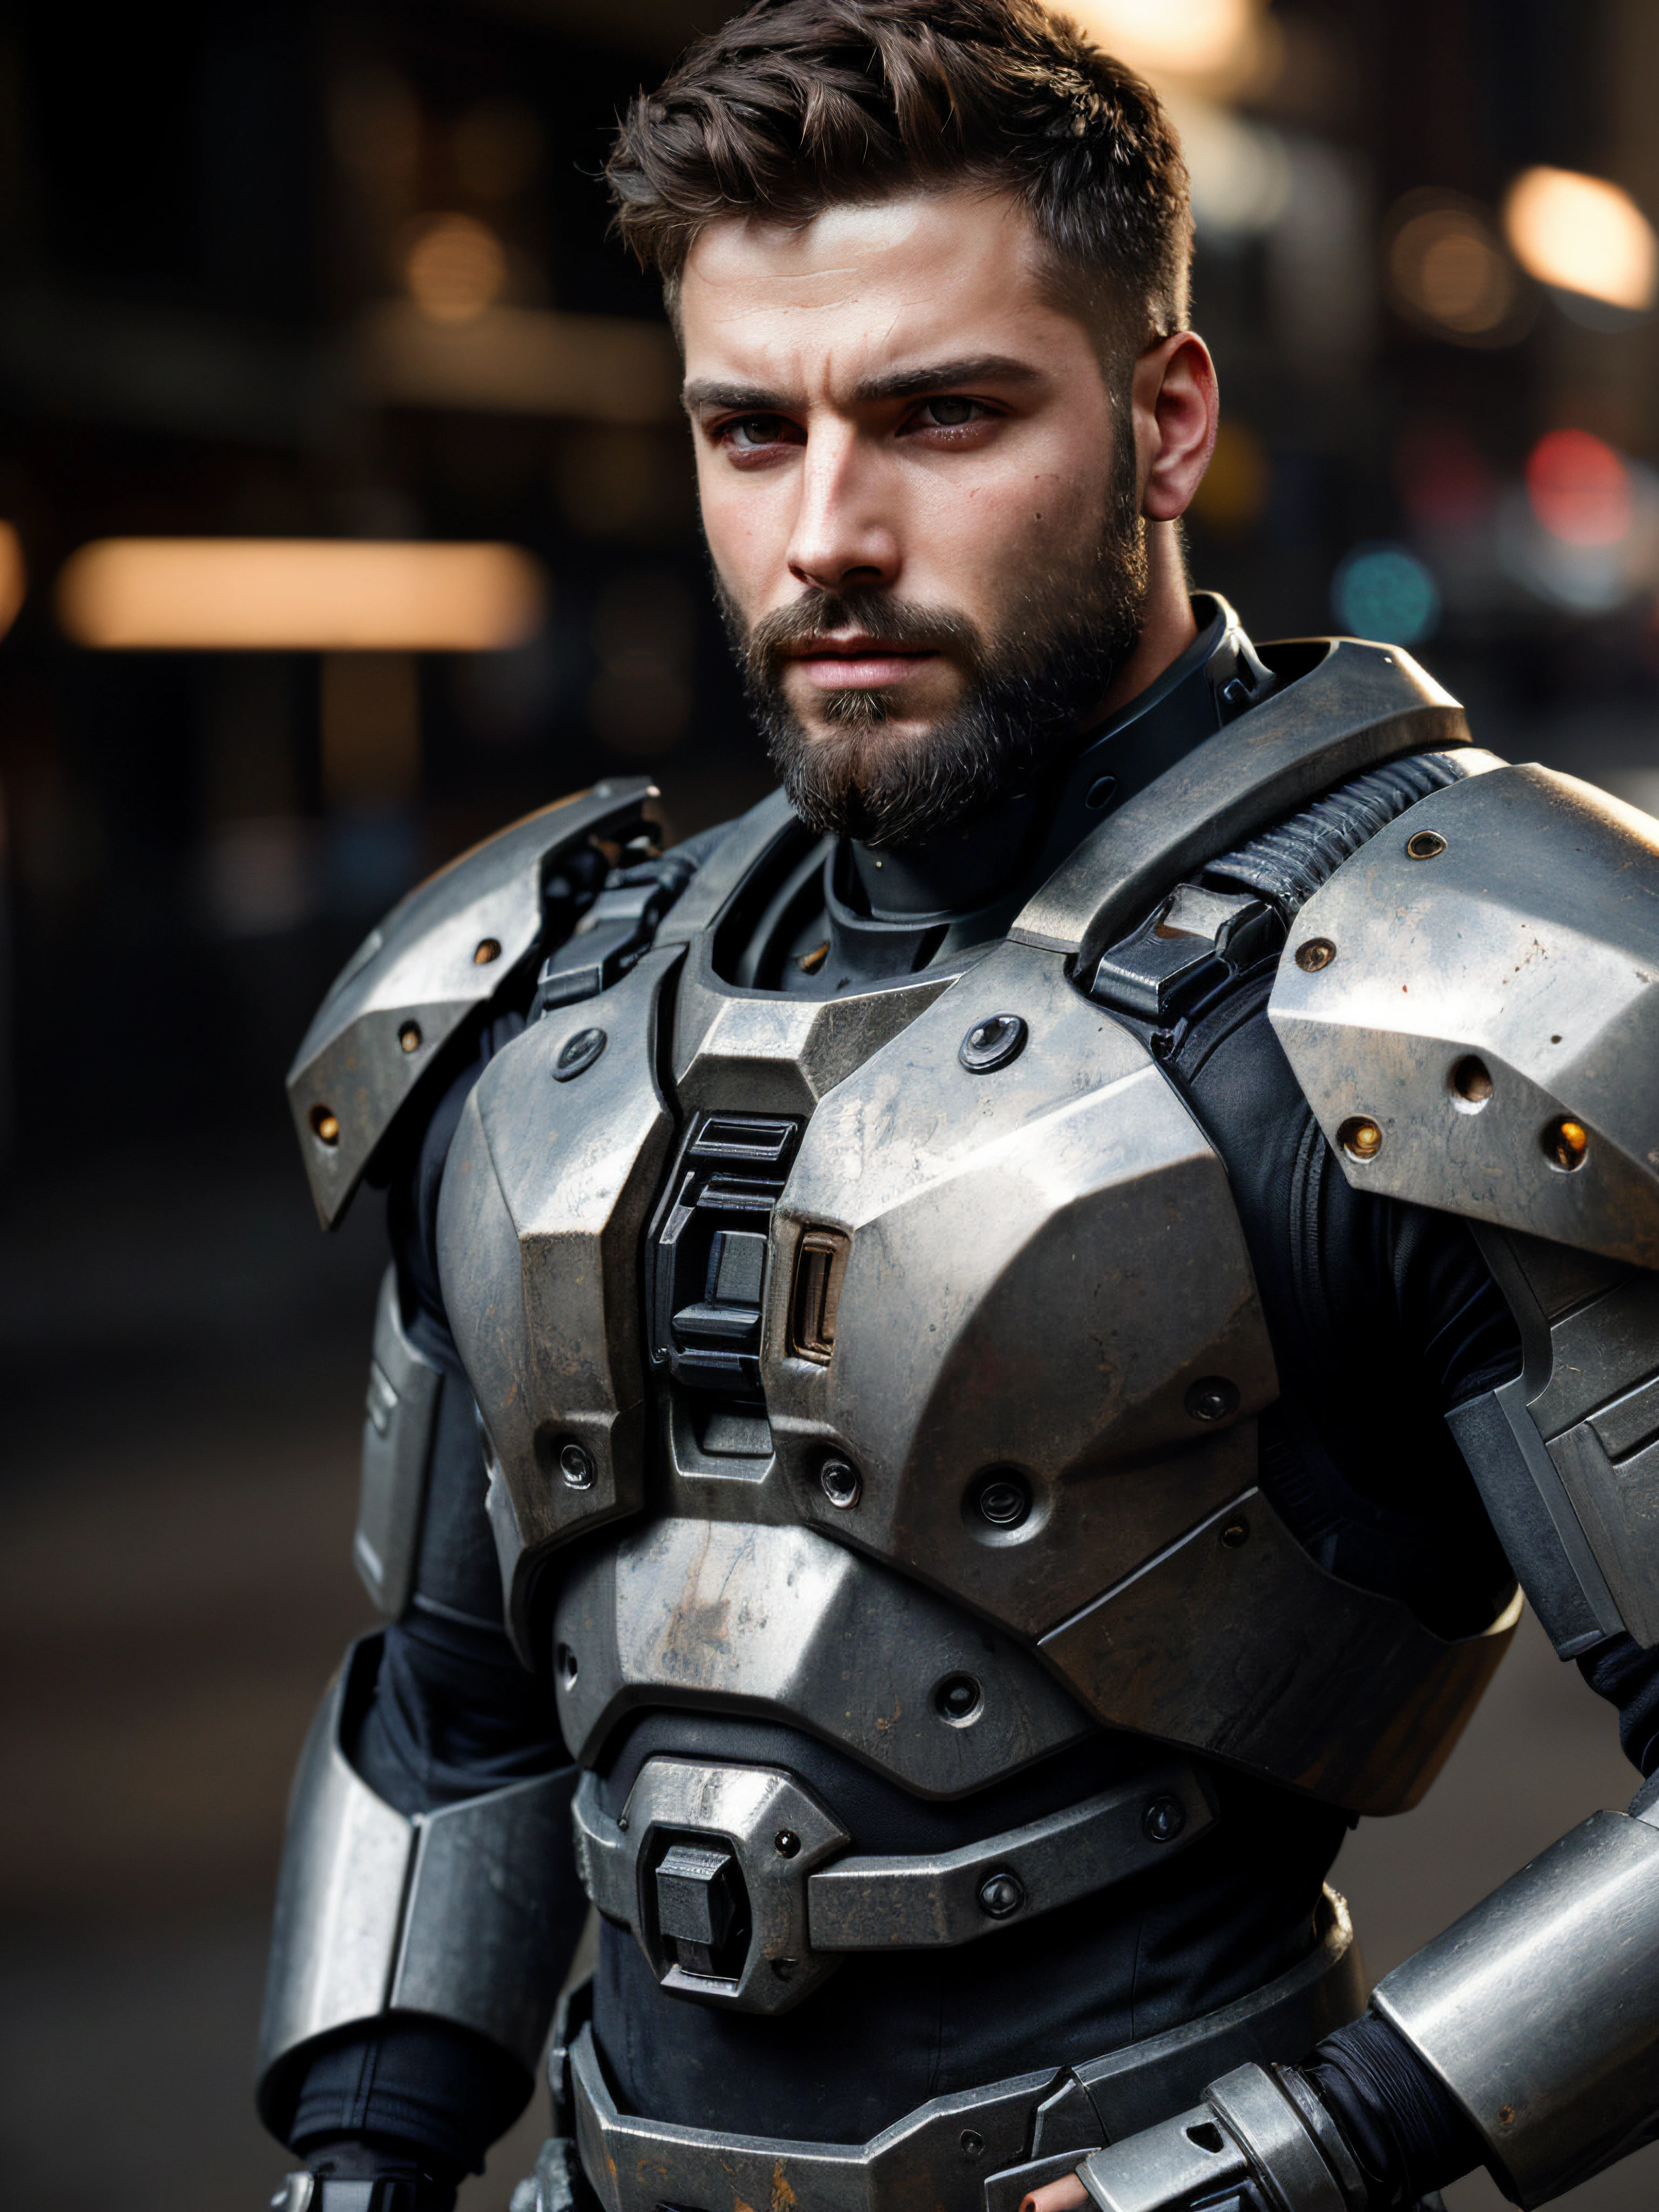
1537, 2011
464, 1915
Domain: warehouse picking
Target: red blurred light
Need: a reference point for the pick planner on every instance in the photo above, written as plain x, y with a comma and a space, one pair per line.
1580, 489
1444, 481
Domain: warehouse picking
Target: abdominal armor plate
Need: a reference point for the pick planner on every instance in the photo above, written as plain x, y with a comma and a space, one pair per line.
1010, 1347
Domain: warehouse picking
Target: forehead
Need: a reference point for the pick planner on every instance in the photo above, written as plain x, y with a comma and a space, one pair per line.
956, 272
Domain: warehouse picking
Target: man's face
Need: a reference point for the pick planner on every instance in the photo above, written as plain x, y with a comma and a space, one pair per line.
920, 499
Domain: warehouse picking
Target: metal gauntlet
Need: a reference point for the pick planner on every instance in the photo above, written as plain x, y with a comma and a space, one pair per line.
453, 1913
1260, 2132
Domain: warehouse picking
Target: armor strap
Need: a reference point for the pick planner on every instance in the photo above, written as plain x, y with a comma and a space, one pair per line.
455, 1914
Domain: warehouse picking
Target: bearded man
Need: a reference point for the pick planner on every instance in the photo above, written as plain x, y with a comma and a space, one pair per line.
973, 1358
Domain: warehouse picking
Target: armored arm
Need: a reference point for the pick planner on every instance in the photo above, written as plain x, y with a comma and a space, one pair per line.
1471, 1006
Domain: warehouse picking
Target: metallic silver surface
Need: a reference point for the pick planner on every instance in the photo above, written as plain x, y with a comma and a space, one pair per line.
748, 1806
977, 2151
1010, 1234
1259, 2114
809, 1900
1250, 2127
765, 1619
868, 1903
1480, 996
419, 975
1235, 1642
545, 1193
1539, 2009
445, 1913
1358, 705
398, 1426
1167, 2167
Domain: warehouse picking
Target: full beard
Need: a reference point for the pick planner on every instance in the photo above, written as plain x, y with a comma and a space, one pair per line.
1026, 688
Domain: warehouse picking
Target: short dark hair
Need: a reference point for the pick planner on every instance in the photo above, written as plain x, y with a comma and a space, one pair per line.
800, 105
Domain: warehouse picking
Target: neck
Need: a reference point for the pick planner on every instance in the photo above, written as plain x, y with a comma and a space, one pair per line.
1167, 628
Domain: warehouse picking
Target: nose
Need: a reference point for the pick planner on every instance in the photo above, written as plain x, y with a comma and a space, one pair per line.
842, 535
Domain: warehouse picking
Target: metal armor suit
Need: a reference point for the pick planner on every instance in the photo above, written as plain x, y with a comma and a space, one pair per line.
946, 1366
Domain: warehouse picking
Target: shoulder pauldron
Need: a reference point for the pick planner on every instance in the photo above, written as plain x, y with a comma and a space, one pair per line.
446, 950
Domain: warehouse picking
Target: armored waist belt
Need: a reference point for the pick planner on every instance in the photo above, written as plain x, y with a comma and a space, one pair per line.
978, 2151
743, 1890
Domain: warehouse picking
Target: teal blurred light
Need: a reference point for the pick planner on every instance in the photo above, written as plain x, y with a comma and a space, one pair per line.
1385, 592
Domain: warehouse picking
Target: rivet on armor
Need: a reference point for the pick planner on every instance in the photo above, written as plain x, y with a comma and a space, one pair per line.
959, 1699
840, 1483
486, 950
1470, 1084
973, 2143
577, 1054
1235, 1534
1100, 794
1003, 1499
1318, 953
1566, 1144
1426, 845
569, 1669
1506, 2116
1211, 1398
786, 1843
576, 1467
993, 1043
1164, 1820
324, 1125
1360, 1137
1000, 1894
409, 1036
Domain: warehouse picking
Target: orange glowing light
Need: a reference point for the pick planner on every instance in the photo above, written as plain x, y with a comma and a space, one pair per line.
14, 577
1580, 489
1583, 234
454, 267
298, 594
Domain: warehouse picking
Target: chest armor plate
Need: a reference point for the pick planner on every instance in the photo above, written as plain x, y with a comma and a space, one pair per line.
1005, 1328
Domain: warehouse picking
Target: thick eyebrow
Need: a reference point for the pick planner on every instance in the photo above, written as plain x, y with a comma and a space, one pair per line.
947, 376
736, 399
707, 398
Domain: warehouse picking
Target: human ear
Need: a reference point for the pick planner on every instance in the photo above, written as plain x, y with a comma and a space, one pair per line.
1177, 409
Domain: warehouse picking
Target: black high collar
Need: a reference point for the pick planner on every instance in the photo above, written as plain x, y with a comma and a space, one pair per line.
891, 912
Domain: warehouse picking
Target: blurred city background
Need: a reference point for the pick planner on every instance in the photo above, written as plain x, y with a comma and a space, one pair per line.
332, 281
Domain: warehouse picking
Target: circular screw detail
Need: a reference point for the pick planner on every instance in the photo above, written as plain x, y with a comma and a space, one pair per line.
786, 1843
1100, 794
1001, 1894
1003, 1500
840, 1483
958, 1699
409, 1036
576, 1466
1425, 845
325, 1125
577, 1054
486, 950
1470, 1083
1566, 1144
973, 2143
569, 1666
1211, 1398
1235, 1534
1360, 1137
1318, 953
1164, 1820
993, 1043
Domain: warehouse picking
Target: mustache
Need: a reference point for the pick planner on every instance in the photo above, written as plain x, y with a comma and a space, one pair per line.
818, 614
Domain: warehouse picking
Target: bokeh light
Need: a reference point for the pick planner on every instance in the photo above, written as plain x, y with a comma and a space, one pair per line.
454, 267
14, 577
1385, 592
1190, 37
1447, 271
1583, 234
296, 594
1445, 481
1233, 490
1580, 489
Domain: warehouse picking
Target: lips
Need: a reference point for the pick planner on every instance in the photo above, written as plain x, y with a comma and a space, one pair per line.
834, 664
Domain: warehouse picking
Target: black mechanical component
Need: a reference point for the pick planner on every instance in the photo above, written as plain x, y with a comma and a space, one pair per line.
702, 1911
613, 931
1288, 863
1182, 954
577, 1054
708, 1249
993, 1043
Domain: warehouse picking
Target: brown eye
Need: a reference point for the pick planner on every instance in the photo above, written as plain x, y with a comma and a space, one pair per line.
951, 414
